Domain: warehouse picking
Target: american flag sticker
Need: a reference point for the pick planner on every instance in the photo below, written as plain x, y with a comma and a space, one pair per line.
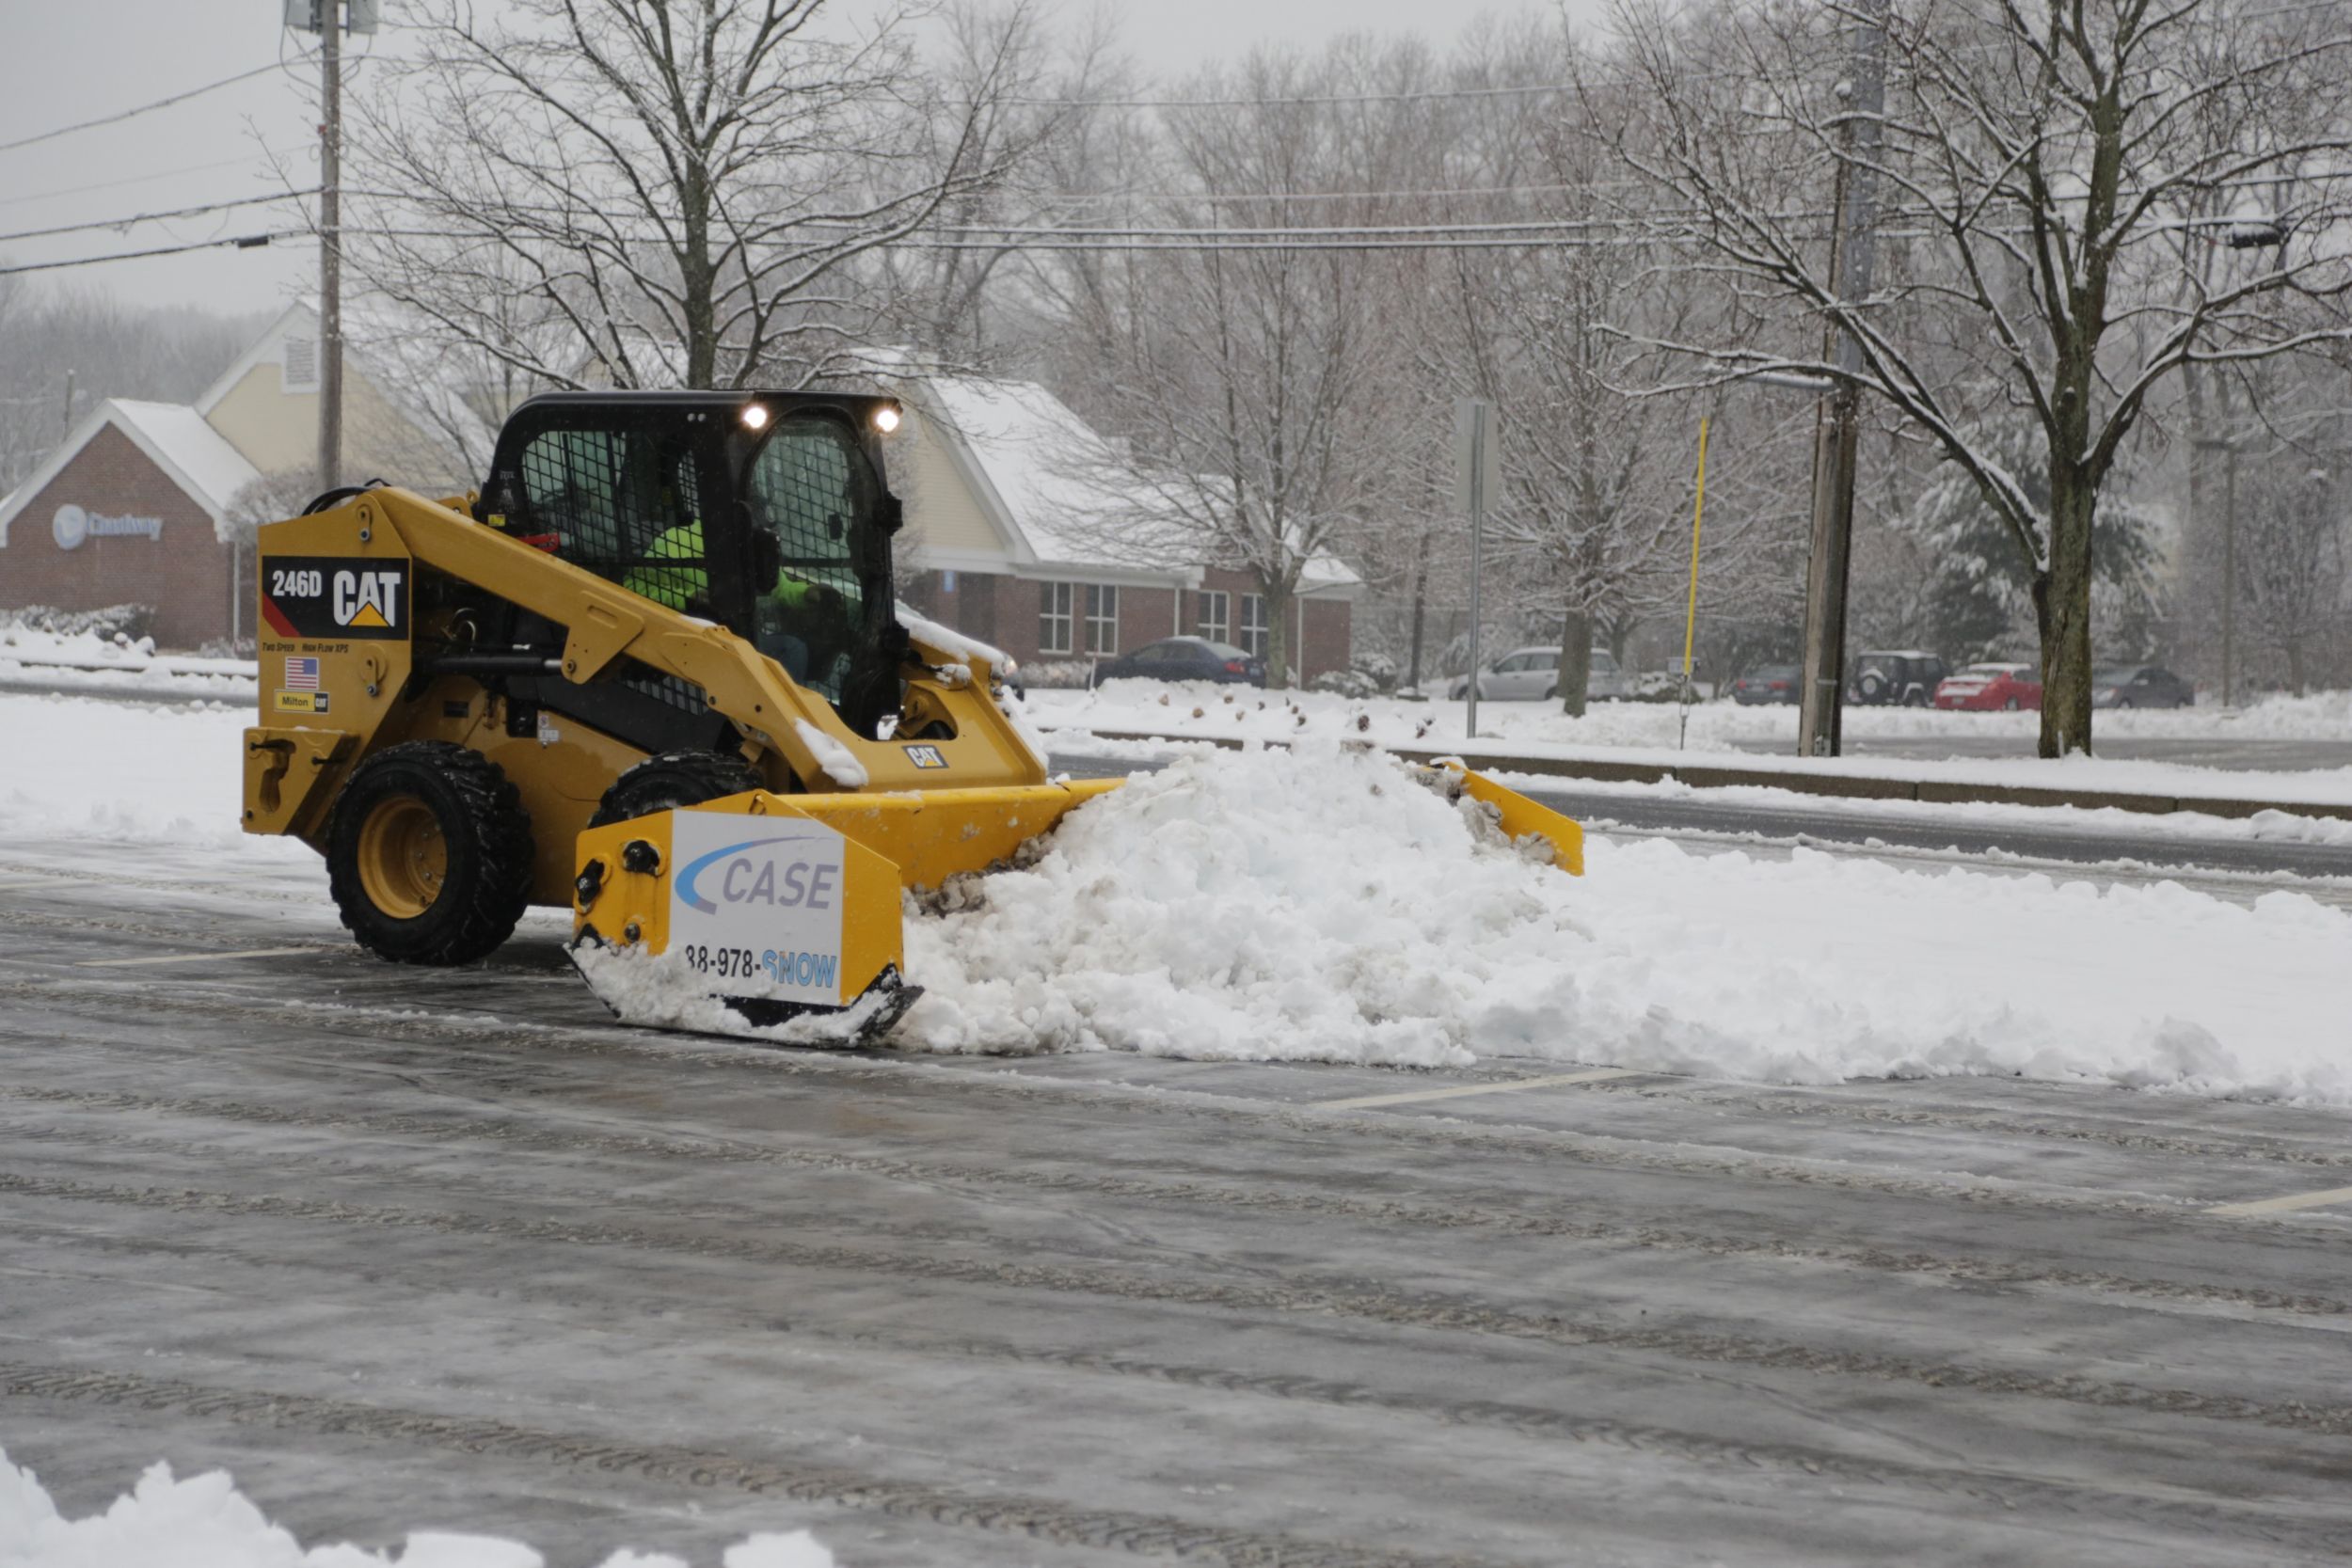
302, 674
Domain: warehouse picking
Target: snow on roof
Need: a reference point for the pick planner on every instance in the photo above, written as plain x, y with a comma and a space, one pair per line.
1052, 473
183, 439
1065, 489
174, 437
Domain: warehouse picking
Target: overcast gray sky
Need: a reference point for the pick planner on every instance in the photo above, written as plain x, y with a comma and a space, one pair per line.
62, 63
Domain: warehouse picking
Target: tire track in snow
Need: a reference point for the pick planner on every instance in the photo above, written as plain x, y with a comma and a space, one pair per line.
920, 1078
2139, 1504
1337, 1298
1421, 1215
1707, 1095
708, 1469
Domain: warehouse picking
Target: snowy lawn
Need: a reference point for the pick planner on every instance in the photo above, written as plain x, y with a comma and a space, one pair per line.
205, 1521
1316, 903
1644, 732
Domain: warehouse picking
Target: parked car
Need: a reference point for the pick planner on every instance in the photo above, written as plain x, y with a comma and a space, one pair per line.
1532, 675
1769, 683
1982, 687
2140, 685
1186, 659
1904, 678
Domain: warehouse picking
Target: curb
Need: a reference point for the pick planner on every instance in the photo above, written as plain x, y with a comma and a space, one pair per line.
1843, 787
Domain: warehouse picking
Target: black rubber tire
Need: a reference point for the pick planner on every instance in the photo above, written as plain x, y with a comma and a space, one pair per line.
671, 779
485, 837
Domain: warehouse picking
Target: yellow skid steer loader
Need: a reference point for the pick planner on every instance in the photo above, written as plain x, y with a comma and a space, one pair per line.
655, 670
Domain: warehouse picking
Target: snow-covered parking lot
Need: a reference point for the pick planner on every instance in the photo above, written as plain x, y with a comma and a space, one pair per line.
1770, 1206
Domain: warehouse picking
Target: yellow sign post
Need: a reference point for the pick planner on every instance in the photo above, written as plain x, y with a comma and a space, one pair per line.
1691, 617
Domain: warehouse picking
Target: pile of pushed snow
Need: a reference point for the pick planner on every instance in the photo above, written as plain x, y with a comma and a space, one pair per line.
1312, 904
97, 659
1315, 903
205, 1521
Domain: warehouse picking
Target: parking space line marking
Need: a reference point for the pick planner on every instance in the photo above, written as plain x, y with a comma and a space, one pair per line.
2284, 1205
1410, 1096
196, 957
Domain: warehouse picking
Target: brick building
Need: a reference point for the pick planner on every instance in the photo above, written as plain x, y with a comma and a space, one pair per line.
1020, 541
132, 510
136, 506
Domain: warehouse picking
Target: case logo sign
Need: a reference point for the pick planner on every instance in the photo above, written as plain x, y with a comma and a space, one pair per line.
757, 916
70, 525
333, 596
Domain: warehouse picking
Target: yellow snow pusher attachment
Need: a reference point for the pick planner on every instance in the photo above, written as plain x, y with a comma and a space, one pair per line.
655, 672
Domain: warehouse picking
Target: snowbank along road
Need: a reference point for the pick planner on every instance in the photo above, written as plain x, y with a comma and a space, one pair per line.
407, 1249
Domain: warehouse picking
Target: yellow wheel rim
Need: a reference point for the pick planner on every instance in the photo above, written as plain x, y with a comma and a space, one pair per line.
402, 858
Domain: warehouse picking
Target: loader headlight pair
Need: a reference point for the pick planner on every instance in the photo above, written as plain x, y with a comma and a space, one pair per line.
885, 418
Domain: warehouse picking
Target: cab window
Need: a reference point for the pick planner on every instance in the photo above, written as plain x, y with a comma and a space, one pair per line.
811, 485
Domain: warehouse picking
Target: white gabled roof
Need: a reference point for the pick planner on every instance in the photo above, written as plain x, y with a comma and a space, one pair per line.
1060, 489
1048, 474
174, 437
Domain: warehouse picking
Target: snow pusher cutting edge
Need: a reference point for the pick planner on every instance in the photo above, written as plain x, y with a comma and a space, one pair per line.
1520, 818
757, 911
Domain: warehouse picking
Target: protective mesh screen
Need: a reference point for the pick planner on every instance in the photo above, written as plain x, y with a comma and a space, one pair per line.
623, 504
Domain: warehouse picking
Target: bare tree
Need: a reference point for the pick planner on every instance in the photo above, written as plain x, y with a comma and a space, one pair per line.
2046, 167
666, 192
1250, 386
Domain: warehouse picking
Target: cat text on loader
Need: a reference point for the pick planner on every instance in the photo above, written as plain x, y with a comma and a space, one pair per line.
654, 672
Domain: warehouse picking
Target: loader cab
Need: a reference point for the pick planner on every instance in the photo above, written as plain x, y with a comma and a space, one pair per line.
764, 512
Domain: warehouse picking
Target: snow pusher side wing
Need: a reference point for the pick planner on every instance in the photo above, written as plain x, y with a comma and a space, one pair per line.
752, 910
1516, 815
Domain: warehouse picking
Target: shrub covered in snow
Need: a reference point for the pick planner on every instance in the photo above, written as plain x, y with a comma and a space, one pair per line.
1345, 682
116, 623
1058, 674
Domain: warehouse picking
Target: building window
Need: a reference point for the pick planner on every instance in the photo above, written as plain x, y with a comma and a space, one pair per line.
1253, 637
1216, 623
1053, 618
302, 366
1101, 619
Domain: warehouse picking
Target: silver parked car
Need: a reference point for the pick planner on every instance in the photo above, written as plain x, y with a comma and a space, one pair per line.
1532, 675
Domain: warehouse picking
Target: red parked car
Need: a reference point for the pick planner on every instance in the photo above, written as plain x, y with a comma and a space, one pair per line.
1984, 687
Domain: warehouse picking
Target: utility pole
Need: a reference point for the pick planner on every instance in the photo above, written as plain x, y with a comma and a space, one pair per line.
326, 19
69, 402
2229, 576
1477, 475
330, 17
1853, 262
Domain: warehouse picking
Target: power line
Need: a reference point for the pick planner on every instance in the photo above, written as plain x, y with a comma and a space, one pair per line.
238, 242
157, 217
143, 178
143, 108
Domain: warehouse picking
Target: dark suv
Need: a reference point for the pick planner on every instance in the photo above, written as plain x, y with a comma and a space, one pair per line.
1907, 678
